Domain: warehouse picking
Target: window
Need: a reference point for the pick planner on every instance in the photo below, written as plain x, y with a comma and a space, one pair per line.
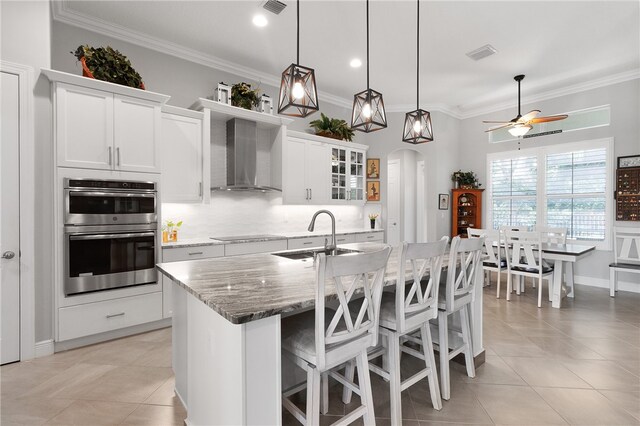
568, 186
513, 189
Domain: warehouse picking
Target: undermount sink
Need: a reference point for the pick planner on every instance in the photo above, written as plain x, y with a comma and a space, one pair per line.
309, 254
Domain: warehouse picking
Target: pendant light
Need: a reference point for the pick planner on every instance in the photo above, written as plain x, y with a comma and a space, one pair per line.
417, 123
298, 93
368, 113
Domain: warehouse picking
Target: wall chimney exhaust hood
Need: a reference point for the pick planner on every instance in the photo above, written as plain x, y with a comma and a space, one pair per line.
242, 148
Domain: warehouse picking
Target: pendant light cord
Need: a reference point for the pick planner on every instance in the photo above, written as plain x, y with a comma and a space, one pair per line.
298, 32
367, 46
418, 58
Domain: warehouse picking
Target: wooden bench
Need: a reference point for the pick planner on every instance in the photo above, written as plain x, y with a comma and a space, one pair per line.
627, 259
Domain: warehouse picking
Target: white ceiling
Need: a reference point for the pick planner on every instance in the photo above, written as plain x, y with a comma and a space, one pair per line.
557, 44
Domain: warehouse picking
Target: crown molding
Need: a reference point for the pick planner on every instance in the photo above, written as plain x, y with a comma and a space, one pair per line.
62, 13
609, 80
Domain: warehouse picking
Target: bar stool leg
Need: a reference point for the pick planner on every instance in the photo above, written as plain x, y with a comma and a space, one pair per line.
364, 382
443, 334
429, 358
394, 378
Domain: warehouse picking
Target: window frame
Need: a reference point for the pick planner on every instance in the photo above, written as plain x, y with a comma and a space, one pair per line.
541, 187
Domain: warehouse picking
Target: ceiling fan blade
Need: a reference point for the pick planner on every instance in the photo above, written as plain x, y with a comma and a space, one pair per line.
509, 124
547, 119
496, 122
529, 116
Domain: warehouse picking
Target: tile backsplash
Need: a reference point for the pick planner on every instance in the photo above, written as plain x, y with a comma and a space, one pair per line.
247, 213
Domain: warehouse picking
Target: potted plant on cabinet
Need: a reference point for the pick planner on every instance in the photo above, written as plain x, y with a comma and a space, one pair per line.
465, 180
108, 64
243, 96
332, 128
372, 219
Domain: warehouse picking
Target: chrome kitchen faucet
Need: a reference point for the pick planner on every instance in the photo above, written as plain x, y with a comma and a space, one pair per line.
327, 247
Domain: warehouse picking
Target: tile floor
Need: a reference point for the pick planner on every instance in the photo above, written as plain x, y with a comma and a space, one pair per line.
577, 365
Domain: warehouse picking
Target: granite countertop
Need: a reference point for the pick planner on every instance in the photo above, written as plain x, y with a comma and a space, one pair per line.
251, 287
206, 241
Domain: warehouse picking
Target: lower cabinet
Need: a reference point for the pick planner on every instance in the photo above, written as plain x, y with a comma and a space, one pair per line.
307, 242
370, 237
255, 247
93, 318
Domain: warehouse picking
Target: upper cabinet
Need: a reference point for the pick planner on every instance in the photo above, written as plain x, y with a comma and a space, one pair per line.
182, 155
318, 170
347, 175
100, 125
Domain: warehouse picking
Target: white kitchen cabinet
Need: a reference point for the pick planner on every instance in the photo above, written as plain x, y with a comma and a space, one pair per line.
304, 174
136, 134
178, 254
84, 127
98, 125
182, 162
307, 242
255, 247
370, 237
92, 318
348, 175
345, 239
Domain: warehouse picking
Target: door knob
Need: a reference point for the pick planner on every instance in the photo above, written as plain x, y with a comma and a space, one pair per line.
394, 223
8, 255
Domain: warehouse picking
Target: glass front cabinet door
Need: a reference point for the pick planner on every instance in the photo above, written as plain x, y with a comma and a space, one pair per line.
347, 175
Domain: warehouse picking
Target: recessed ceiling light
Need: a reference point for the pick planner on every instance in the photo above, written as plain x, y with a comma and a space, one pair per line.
260, 21
355, 63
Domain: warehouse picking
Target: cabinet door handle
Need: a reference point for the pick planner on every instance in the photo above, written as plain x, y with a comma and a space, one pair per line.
310, 193
110, 156
194, 253
370, 237
307, 196
117, 156
121, 314
341, 240
200, 189
307, 243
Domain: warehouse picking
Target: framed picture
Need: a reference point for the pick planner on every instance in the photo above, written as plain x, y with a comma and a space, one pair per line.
373, 168
373, 190
443, 201
629, 161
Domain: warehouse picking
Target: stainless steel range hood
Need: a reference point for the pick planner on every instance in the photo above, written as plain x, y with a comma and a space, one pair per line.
242, 147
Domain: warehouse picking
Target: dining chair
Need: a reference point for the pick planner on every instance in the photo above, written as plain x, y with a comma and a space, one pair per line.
455, 296
526, 259
492, 255
406, 311
624, 257
323, 338
556, 235
520, 288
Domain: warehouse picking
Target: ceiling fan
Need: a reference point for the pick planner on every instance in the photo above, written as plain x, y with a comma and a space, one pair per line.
521, 124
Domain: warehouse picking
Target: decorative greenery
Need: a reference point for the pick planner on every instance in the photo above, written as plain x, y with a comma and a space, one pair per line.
332, 128
170, 225
373, 216
243, 96
107, 64
465, 178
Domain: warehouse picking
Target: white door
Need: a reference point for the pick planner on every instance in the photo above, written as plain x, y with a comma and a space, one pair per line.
294, 187
84, 127
137, 134
393, 203
9, 221
181, 159
317, 172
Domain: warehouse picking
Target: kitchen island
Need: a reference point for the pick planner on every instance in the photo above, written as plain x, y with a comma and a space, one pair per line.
226, 331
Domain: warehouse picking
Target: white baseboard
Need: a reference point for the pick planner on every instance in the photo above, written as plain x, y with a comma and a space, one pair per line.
604, 283
44, 348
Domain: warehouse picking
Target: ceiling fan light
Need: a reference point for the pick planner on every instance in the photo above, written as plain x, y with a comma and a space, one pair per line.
298, 93
520, 130
417, 127
368, 114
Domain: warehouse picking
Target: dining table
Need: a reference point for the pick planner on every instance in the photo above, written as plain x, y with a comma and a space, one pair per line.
564, 256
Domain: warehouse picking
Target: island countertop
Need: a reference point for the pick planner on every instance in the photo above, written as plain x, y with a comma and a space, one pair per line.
247, 288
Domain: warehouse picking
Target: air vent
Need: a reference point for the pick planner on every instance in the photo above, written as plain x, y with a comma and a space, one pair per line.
482, 52
274, 6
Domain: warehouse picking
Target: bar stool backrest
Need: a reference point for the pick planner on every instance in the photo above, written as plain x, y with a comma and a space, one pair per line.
464, 264
425, 259
347, 274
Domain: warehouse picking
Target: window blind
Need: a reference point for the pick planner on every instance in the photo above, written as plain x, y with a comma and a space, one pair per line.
575, 193
513, 190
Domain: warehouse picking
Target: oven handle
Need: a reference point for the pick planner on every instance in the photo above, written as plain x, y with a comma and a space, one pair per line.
111, 194
110, 236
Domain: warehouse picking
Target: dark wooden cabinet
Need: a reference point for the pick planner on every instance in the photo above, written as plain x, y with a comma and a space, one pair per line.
466, 209
628, 194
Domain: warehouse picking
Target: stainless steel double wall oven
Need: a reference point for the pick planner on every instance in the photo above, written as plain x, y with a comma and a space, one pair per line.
109, 234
